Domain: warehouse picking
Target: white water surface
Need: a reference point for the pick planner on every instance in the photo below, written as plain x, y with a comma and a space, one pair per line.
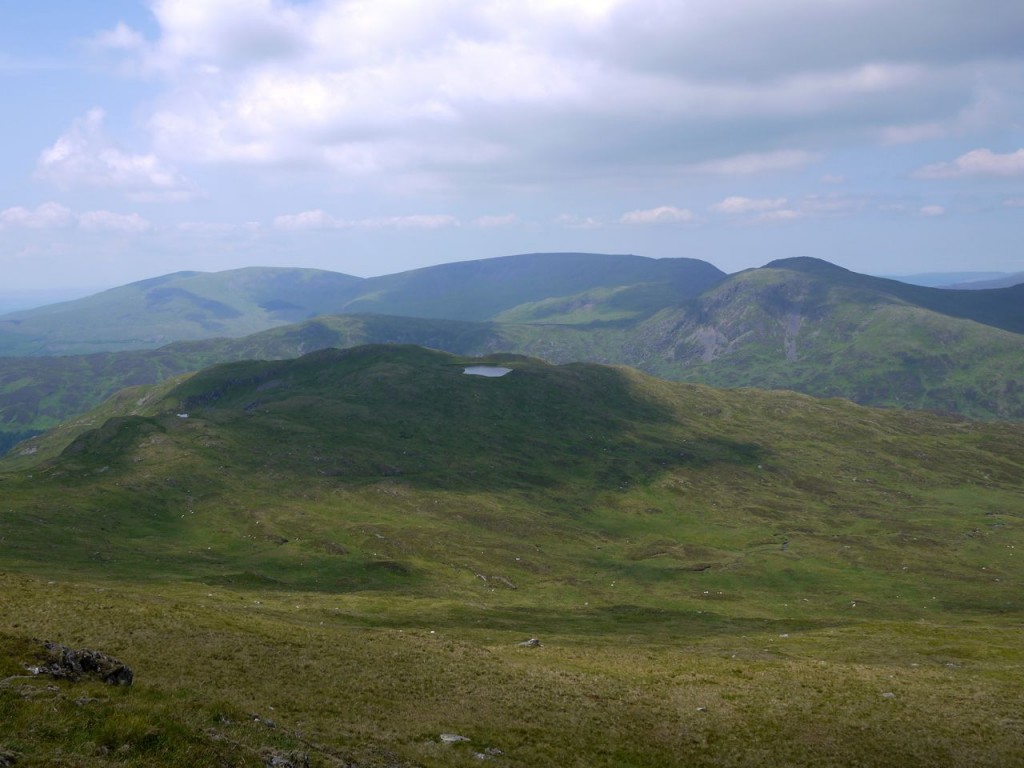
492, 371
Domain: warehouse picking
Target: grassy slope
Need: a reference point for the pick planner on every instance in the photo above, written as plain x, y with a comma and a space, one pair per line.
481, 290
999, 307
185, 305
776, 328
816, 329
37, 393
358, 540
197, 305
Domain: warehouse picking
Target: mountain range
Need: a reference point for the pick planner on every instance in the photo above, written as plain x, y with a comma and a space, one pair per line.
327, 543
198, 305
800, 324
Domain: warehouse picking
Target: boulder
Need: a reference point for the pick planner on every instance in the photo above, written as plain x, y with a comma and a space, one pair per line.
73, 664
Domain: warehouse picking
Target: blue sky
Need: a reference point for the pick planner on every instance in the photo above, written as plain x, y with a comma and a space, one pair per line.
374, 136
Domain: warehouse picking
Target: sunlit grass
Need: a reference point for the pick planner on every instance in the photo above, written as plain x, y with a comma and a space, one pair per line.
716, 578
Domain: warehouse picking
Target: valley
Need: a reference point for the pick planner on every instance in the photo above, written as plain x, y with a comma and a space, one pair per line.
798, 324
336, 559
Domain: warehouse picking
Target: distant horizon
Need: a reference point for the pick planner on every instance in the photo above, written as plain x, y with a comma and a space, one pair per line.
34, 298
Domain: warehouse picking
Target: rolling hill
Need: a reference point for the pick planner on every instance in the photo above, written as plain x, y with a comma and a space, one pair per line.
198, 305
180, 306
816, 328
1006, 281
998, 307
632, 286
352, 545
39, 393
800, 324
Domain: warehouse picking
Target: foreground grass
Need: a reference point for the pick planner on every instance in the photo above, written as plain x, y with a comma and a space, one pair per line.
231, 677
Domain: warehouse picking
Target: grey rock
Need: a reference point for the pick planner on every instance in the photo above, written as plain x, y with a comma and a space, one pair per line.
73, 664
273, 758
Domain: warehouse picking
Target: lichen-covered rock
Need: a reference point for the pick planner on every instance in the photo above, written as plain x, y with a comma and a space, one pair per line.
274, 758
73, 664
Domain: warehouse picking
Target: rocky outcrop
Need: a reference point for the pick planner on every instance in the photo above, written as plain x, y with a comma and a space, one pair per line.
275, 758
75, 664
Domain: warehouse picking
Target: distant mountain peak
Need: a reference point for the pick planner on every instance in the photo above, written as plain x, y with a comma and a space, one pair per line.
805, 264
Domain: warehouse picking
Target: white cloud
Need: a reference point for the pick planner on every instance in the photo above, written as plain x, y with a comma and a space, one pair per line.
932, 211
757, 162
772, 210
776, 217
1014, 202
417, 221
121, 37
977, 162
833, 178
115, 222
46, 216
217, 227
86, 157
51, 216
832, 204
488, 222
572, 221
319, 219
394, 90
735, 205
664, 214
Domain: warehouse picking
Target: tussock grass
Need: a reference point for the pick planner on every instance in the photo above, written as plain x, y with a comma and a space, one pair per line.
669, 690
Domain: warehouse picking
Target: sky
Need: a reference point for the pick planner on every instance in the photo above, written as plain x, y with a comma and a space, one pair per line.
374, 136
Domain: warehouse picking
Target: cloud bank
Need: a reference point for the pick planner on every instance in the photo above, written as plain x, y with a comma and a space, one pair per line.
54, 216
85, 156
977, 162
446, 92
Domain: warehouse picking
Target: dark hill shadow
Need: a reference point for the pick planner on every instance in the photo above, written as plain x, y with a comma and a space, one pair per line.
358, 415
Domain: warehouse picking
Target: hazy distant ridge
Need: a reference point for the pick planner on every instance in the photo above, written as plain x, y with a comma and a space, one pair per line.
197, 305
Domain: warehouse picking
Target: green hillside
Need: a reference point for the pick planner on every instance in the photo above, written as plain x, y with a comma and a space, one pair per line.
181, 306
198, 305
38, 393
803, 325
811, 331
333, 560
484, 289
998, 307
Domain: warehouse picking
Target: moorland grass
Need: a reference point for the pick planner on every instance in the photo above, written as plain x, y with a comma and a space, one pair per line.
354, 545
